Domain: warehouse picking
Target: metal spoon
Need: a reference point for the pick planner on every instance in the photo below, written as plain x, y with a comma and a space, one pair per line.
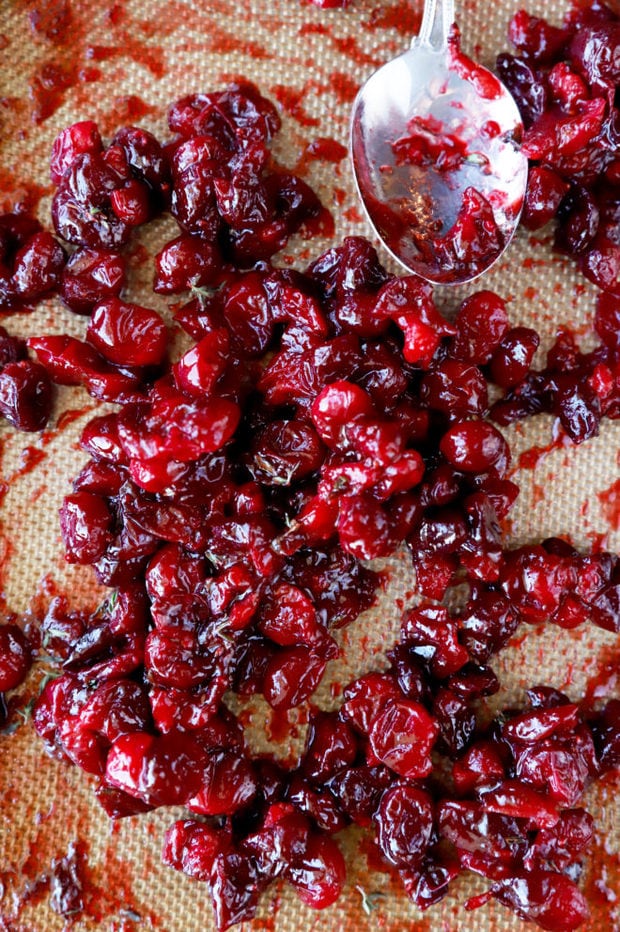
434, 146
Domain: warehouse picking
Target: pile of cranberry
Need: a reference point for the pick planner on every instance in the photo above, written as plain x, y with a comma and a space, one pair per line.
316, 420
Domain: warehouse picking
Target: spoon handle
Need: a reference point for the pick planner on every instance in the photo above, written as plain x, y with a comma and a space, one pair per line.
436, 22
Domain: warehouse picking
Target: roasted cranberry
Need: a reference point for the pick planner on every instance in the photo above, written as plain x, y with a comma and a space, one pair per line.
26, 395
37, 267
481, 323
15, 656
186, 262
402, 736
475, 446
405, 825
91, 276
86, 523
512, 359
127, 334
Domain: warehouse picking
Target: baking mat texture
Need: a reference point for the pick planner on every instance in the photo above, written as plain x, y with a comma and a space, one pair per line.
125, 63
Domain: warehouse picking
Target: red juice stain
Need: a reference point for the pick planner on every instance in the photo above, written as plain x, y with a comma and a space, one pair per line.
21, 196
610, 504
291, 100
29, 459
605, 682
401, 17
343, 86
339, 196
598, 541
309, 29
52, 20
67, 418
127, 109
349, 47
321, 225
278, 725
322, 149
48, 87
4, 41
531, 459
530, 293
353, 215
149, 56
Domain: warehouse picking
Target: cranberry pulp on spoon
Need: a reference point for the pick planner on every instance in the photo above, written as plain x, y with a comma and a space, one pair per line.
434, 145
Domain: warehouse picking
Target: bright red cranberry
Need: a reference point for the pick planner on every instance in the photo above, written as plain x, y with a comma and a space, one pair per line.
127, 334
551, 900
15, 656
131, 203
198, 370
26, 395
162, 771
229, 784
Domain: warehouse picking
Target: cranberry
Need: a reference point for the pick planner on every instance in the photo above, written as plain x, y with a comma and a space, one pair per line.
91, 276
551, 900
26, 395
127, 334
161, 771
86, 523
512, 360
186, 262
475, 446
481, 323
318, 876
402, 736
37, 267
405, 825
82, 210
15, 656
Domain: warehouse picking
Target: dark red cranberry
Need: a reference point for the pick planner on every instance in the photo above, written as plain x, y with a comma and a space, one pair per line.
86, 524
15, 656
76, 140
512, 360
91, 276
405, 825
186, 262
37, 267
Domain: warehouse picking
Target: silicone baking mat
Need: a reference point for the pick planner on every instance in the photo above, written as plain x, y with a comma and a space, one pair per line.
125, 63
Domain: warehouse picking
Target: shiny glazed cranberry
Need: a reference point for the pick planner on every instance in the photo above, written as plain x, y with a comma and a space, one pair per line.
127, 334
26, 395
91, 276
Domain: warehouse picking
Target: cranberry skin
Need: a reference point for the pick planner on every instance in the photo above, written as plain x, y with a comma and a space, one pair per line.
549, 899
607, 320
186, 262
481, 324
319, 875
91, 276
161, 771
545, 192
127, 334
12, 349
405, 825
594, 52
145, 157
72, 142
290, 618
526, 84
85, 523
26, 395
15, 657
37, 267
402, 736
366, 696
475, 446
512, 360
479, 766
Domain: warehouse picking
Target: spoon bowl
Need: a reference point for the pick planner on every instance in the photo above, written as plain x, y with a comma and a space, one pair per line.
434, 146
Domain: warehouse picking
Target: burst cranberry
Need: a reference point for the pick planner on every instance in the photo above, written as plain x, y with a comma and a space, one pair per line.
402, 736
91, 276
512, 359
405, 825
76, 140
15, 656
131, 203
229, 784
291, 677
161, 771
127, 334
37, 267
86, 524
198, 370
81, 209
481, 323
551, 900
